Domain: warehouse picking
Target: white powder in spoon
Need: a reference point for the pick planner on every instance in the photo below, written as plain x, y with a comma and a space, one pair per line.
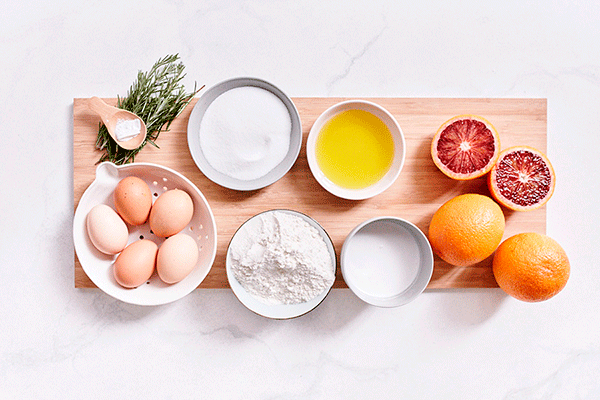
126, 129
282, 259
245, 132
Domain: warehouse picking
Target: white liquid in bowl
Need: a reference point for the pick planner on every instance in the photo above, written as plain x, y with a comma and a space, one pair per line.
382, 259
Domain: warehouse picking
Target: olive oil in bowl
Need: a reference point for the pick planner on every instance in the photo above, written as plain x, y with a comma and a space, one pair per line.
354, 149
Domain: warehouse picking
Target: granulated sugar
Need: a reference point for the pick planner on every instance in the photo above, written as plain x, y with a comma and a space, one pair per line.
245, 132
282, 259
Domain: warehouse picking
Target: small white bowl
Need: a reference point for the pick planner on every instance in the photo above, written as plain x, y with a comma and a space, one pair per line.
399, 150
193, 136
387, 261
276, 311
99, 267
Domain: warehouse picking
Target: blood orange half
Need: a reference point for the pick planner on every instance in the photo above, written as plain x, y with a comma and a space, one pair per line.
465, 147
523, 179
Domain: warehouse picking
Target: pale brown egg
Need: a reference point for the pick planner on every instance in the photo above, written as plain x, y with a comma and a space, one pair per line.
176, 258
133, 200
106, 230
135, 264
171, 212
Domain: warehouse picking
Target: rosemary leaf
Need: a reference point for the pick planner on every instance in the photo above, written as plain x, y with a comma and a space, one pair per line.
157, 97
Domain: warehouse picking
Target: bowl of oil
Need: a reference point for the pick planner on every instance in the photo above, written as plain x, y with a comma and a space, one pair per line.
356, 149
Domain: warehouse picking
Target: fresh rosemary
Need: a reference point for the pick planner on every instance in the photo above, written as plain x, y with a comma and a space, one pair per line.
157, 97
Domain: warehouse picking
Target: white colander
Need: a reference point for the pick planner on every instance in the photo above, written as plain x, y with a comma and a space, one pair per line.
99, 266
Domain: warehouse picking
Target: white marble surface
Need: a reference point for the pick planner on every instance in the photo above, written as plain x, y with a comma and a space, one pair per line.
60, 342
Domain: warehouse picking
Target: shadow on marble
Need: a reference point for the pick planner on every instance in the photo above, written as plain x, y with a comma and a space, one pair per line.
469, 306
338, 310
221, 310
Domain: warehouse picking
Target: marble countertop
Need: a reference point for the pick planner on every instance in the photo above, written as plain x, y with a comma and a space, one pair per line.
60, 342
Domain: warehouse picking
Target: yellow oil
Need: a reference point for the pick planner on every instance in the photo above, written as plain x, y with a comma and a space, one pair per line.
354, 149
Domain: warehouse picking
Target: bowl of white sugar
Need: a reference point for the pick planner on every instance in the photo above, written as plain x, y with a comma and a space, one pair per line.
244, 133
386, 261
281, 264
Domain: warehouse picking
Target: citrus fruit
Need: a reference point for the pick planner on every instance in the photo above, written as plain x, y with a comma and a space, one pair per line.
465, 147
531, 267
523, 179
466, 229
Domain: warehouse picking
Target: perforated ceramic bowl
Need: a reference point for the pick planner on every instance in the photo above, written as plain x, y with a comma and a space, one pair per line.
99, 267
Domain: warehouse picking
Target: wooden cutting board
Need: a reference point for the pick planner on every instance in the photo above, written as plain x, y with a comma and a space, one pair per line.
420, 189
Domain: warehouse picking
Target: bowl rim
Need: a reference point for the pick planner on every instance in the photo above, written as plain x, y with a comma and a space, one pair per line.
421, 280
195, 121
374, 189
78, 239
241, 294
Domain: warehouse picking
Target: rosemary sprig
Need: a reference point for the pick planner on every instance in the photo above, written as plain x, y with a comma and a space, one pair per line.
157, 97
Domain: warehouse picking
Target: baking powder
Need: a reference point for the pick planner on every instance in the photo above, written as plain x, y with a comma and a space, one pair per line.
282, 259
126, 129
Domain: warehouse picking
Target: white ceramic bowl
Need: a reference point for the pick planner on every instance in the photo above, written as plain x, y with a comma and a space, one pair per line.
387, 261
399, 150
99, 267
279, 311
193, 136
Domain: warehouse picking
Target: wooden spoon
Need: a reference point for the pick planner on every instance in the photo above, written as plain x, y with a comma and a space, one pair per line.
111, 115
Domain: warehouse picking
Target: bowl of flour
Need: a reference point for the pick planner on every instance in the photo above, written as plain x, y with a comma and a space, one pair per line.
244, 133
281, 264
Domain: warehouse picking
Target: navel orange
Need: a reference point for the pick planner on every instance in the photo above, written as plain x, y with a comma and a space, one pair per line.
466, 229
531, 267
465, 147
522, 179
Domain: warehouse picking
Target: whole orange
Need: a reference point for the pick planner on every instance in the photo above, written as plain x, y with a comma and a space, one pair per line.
466, 229
531, 267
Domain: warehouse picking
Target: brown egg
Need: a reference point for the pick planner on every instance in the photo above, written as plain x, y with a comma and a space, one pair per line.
133, 200
135, 264
171, 212
106, 230
176, 258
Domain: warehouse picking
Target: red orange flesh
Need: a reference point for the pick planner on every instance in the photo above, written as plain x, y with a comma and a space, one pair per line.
522, 179
465, 147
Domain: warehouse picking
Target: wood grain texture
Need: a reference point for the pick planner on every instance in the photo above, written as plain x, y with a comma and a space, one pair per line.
415, 196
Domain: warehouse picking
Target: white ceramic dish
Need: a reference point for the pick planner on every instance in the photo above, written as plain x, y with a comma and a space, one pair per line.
98, 266
193, 136
386, 261
399, 150
283, 311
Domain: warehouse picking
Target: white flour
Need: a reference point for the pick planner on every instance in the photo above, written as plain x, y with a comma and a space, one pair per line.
282, 259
